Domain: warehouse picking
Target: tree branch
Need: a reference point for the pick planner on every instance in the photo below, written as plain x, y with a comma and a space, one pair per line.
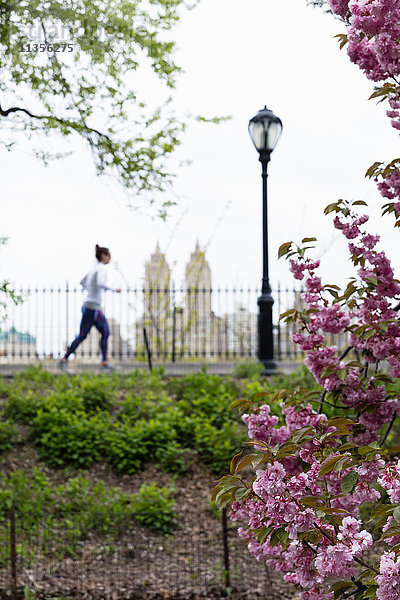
383, 440
71, 124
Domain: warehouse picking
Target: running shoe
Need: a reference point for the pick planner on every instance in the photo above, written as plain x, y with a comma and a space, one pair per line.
109, 368
63, 365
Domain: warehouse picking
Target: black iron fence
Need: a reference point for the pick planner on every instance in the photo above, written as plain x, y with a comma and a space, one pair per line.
43, 560
181, 324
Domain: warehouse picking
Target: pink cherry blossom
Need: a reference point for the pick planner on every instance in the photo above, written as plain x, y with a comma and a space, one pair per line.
339, 7
388, 579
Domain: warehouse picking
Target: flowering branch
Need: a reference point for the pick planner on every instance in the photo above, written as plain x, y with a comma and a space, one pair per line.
301, 511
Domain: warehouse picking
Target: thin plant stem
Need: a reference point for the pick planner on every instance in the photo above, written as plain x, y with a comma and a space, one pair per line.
383, 440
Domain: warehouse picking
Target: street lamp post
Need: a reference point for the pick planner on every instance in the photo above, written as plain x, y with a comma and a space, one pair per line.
265, 129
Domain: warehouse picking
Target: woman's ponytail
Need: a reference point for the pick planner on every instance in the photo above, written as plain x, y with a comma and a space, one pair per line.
101, 250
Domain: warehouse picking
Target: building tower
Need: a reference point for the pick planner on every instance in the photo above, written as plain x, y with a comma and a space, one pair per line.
157, 282
198, 316
157, 304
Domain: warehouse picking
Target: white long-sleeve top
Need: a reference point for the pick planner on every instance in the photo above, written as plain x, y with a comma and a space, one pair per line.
95, 283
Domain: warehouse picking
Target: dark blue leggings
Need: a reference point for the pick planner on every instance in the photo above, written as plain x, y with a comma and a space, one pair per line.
89, 318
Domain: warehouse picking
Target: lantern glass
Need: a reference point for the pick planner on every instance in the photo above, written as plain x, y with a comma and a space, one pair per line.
265, 129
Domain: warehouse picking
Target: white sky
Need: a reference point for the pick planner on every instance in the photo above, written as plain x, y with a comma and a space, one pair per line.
237, 56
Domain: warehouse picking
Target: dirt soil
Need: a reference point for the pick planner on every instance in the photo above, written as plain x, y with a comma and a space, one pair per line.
139, 564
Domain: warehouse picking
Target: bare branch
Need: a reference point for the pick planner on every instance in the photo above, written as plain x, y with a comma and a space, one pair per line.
72, 124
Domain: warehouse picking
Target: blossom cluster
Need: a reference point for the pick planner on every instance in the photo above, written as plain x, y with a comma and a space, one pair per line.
276, 498
375, 308
261, 425
389, 578
277, 502
390, 188
373, 32
300, 514
289, 496
390, 480
373, 312
373, 44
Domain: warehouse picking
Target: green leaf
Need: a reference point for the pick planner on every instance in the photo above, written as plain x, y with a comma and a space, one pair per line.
259, 458
283, 537
348, 482
284, 249
310, 501
240, 403
298, 435
396, 514
392, 531
338, 421
245, 462
331, 207
343, 39
381, 510
262, 534
274, 540
371, 591
340, 587
329, 464
365, 449
347, 446
241, 493
235, 461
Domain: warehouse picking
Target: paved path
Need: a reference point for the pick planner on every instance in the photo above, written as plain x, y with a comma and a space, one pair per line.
176, 368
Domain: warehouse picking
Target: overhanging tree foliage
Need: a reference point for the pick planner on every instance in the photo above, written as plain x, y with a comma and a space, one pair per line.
71, 67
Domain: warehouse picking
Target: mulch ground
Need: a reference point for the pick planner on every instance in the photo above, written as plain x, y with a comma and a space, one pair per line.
138, 564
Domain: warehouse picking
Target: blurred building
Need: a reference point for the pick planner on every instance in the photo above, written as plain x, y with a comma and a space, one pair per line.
189, 326
16, 346
241, 332
157, 317
204, 332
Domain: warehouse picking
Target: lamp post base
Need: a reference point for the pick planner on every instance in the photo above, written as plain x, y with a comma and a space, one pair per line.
270, 367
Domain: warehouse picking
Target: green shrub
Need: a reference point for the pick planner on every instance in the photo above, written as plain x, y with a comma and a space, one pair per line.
124, 449
141, 380
23, 407
54, 518
129, 446
5, 389
132, 408
248, 370
157, 420
216, 446
153, 507
34, 377
66, 435
300, 377
149, 404
7, 435
31, 496
96, 394
93, 506
215, 410
171, 458
200, 384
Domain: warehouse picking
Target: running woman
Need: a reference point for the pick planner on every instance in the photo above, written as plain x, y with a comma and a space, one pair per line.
95, 282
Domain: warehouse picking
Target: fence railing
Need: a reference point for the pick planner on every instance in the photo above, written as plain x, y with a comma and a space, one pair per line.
182, 324
46, 559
